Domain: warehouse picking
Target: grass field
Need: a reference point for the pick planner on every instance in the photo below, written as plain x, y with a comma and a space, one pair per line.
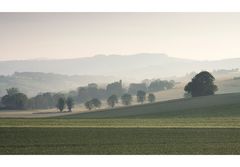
204, 125
119, 141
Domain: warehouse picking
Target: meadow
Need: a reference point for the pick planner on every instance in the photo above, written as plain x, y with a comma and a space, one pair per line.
203, 125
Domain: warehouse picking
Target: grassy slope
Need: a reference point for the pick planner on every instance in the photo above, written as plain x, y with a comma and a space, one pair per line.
220, 111
191, 107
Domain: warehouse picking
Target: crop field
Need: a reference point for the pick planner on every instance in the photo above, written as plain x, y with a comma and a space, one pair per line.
204, 125
119, 141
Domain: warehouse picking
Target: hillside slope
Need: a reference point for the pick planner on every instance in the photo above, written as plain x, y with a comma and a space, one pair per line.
208, 106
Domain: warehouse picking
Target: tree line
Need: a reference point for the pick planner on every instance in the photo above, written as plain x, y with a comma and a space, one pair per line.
201, 85
82, 94
126, 100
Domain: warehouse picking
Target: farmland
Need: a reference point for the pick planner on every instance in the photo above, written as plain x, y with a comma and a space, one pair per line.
203, 125
119, 141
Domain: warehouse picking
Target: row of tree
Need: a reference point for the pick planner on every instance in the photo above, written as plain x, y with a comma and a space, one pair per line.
200, 85
82, 94
125, 98
93, 91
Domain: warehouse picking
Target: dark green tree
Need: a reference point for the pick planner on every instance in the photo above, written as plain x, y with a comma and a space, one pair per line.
141, 96
12, 91
20, 100
14, 99
112, 100
70, 103
96, 103
126, 99
151, 98
201, 85
61, 104
89, 105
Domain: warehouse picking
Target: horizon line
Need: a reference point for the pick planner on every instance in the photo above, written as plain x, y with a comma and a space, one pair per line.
109, 55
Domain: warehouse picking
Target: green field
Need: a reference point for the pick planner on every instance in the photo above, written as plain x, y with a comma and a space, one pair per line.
119, 141
204, 125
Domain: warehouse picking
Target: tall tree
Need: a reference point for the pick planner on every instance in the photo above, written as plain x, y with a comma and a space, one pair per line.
141, 96
70, 103
112, 100
201, 85
126, 99
61, 104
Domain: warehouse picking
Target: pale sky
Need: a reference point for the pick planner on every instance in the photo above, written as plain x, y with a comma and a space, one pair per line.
201, 36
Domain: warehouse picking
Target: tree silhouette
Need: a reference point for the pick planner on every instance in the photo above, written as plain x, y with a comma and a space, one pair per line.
89, 105
61, 104
201, 85
112, 100
70, 103
141, 96
151, 98
12, 91
126, 99
14, 99
96, 103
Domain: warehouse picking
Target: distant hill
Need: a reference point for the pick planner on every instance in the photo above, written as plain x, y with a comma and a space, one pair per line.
138, 66
33, 83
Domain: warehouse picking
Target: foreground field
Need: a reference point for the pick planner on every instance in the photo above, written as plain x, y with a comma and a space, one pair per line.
119, 141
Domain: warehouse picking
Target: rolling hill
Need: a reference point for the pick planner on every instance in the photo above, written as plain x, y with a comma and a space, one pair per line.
207, 106
32, 83
137, 66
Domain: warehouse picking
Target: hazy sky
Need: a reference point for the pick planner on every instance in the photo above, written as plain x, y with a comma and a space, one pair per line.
70, 35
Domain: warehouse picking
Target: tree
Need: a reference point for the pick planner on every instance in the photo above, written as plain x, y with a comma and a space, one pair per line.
151, 98
89, 105
70, 103
201, 85
12, 91
112, 100
141, 96
96, 103
159, 85
14, 99
126, 99
20, 100
61, 104
8, 102
42, 101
